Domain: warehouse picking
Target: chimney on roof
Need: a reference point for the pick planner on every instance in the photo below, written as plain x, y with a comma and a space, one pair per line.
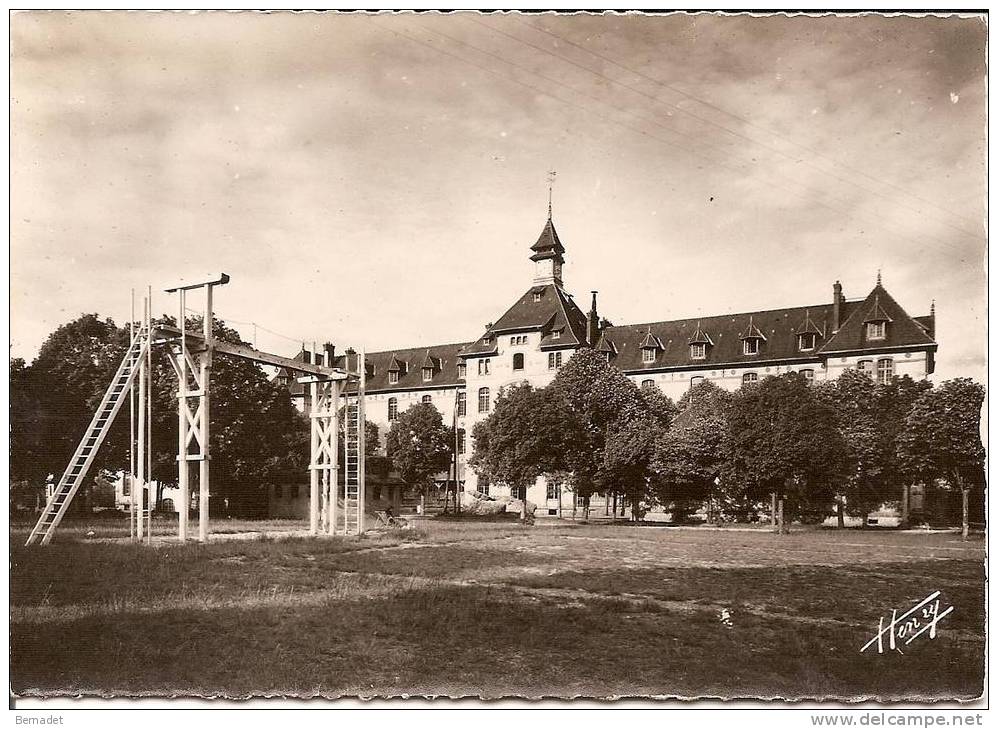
837, 300
592, 323
351, 359
330, 349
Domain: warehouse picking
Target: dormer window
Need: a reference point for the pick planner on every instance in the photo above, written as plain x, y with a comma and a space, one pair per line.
393, 378
648, 355
556, 334
806, 341
698, 350
876, 322
427, 374
537, 297
751, 338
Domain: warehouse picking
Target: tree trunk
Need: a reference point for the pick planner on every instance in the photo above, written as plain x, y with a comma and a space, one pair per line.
585, 508
558, 490
575, 503
772, 510
966, 513
905, 505
840, 508
422, 503
523, 507
783, 526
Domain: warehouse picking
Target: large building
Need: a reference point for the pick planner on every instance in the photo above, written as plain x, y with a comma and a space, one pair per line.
541, 331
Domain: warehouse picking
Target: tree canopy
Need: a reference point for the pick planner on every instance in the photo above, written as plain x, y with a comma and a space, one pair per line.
419, 445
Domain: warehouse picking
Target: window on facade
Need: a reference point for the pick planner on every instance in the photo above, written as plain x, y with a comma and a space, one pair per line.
462, 370
487, 362
750, 377
647, 384
393, 378
483, 400
462, 403
885, 371
554, 360
483, 485
806, 342
865, 366
698, 351
552, 491
462, 446
427, 374
876, 330
426, 399
483, 367
393, 409
518, 361
694, 381
808, 376
750, 346
648, 355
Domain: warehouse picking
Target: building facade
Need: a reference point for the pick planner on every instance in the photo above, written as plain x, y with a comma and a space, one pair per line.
541, 331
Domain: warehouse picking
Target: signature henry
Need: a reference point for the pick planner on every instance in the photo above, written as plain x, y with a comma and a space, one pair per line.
904, 628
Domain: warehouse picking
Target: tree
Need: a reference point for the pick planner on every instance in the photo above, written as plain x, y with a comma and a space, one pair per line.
690, 456
942, 438
629, 450
870, 416
591, 398
419, 445
782, 439
521, 439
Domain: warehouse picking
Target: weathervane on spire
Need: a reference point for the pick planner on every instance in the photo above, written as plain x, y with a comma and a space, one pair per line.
551, 176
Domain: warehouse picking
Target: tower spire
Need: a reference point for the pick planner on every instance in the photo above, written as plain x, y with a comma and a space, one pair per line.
551, 176
878, 277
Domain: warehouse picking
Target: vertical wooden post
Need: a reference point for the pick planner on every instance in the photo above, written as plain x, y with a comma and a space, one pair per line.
182, 466
783, 525
140, 481
131, 434
152, 494
203, 483
334, 425
316, 459
772, 510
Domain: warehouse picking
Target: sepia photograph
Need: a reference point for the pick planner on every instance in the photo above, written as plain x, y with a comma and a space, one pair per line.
499, 355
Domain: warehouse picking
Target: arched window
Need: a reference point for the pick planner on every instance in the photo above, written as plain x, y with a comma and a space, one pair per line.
393, 409
865, 367
885, 371
483, 400
426, 399
647, 384
462, 403
808, 376
518, 361
750, 377
694, 381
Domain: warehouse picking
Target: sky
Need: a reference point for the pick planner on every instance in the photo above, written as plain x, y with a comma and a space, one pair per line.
377, 181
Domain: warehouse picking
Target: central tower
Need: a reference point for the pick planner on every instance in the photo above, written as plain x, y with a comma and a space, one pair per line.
548, 257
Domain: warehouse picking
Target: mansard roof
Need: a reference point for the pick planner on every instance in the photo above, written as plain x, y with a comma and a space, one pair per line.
555, 311
779, 327
446, 356
902, 330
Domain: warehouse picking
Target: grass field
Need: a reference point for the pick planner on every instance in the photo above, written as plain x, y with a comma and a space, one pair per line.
496, 609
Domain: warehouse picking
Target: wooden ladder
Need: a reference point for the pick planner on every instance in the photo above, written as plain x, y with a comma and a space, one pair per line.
351, 485
70, 482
